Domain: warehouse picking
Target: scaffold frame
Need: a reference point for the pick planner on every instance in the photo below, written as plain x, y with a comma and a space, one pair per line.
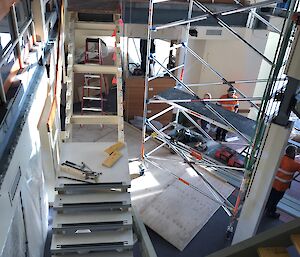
184, 151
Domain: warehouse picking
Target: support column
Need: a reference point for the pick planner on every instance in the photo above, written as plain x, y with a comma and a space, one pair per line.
259, 190
38, 11
16, 34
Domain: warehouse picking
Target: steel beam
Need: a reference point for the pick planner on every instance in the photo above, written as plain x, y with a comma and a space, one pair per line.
205, 16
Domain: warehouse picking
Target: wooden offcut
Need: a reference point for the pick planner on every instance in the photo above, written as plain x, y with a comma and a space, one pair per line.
296, 241
115, 147
112, 159
272, 252
77, 173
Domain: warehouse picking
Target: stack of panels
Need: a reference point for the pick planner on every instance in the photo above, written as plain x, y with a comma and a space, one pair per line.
92, 220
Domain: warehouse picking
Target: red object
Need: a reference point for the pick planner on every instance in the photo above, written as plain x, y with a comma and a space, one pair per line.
296, 18
237, 161
121, 23
197, 155
114, 33
184, 181
114, 80
181, 74
224, 154
114, 57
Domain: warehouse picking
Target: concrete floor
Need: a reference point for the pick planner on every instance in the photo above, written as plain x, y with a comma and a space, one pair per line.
211, 238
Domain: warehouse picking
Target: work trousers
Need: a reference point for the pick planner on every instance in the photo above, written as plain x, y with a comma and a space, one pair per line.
274, 198
221, 134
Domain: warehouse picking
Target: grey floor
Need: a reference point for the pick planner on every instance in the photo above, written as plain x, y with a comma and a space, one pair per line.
212, 236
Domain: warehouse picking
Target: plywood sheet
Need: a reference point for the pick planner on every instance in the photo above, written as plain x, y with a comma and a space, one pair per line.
177, 212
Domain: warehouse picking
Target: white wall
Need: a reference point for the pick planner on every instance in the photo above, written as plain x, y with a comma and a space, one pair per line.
265, 68
27, 156
231, 58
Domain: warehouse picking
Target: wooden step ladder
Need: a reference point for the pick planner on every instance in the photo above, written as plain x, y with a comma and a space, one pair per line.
92, 69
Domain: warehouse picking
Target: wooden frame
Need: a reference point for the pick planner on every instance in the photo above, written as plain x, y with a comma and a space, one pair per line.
95, 69
94, 119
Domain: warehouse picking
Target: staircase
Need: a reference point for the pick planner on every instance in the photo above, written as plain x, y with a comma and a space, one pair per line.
91, 218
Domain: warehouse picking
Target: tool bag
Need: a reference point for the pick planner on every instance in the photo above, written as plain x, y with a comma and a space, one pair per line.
224, 154
237, 160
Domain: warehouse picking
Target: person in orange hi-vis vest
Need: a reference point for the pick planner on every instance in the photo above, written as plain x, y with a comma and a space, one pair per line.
230, 105
283, 179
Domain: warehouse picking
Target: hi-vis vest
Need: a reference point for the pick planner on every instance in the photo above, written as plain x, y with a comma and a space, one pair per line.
230, 104
285, 173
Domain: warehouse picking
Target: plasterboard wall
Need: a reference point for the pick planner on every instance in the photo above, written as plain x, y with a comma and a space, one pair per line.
231, 58
27, 159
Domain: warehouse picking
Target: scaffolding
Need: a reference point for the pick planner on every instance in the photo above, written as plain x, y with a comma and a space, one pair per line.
182, 100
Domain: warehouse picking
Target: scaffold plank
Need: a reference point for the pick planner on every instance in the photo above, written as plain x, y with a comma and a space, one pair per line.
245, 125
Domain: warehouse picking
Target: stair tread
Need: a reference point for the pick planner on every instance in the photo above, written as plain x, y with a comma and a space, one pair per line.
101, 197
272, 252
296, 241
89, 217
106, 254
64, 184
103, 237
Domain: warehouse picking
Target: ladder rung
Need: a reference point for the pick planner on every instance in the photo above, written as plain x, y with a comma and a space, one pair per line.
92, 76
91, 87
91, 52
92, 109
93, 40
92, 98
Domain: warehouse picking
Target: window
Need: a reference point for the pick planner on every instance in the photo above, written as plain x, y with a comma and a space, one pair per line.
7, 66
5, 46
23, 14
5, 35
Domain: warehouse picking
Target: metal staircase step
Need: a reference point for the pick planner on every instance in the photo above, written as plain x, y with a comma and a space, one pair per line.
93, 201
272, 252
106, 254
296, 241
95, 221
97, 241
67, 185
